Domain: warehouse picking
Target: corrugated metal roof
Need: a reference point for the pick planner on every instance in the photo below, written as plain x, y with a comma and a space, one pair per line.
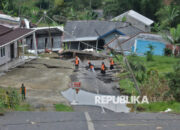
52, 27
81, 39
7, 17
140, 17
136, 16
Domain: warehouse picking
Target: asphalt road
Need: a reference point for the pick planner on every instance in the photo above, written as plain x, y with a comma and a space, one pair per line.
88, 121
95, 82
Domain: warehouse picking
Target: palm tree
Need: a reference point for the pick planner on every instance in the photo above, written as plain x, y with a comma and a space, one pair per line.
167, 15
174, 37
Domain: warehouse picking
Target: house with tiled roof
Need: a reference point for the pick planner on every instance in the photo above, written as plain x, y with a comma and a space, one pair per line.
10, 40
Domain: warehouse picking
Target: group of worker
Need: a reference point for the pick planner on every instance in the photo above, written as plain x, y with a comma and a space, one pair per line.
103, 67
91, 66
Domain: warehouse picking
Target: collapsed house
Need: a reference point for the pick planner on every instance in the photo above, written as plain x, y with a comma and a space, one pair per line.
94, 34
136, 19
139, 44
49, 38
10, 41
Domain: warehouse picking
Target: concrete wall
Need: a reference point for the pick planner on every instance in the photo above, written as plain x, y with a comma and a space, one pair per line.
7, 56
138, 24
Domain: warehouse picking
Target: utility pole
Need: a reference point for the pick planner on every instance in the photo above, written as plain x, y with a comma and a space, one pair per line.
127, 64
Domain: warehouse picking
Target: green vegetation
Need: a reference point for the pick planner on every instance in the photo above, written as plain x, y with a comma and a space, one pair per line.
149, 54
10, 100
162, 64
23, 107
160, 106
174, 82
165, 16
127, 87
151, 75
62, 107
157, 79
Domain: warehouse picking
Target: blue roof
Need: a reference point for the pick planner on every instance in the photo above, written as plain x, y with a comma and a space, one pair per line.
110, 32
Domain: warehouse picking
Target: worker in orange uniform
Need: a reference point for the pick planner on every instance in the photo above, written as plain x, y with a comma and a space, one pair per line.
23, 92
111, 64
77, 63
103, 68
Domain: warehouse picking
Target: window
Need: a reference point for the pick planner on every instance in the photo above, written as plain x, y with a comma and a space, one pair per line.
2, 49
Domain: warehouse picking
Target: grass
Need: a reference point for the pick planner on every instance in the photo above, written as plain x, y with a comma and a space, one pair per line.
159, 106
62, 107
23, 107
127, 87
162, 64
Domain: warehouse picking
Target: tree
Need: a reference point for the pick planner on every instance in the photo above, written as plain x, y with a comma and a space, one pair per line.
174, 37
174, 82
144, 7
149, 54
167, 15
58, 2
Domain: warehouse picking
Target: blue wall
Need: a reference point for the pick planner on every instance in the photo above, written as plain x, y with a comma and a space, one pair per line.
142, 47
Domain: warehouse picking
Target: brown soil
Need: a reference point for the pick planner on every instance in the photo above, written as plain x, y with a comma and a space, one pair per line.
44, 80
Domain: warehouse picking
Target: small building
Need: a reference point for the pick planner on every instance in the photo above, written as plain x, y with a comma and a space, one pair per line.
94, 34
136, 19
139, 44
10, 40
47, 38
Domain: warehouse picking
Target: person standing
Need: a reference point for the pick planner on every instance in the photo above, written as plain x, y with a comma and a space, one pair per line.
103, 68
77, 63
23, 92
111, 64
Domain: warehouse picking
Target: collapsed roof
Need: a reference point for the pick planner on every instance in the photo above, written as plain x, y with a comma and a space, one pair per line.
94, 29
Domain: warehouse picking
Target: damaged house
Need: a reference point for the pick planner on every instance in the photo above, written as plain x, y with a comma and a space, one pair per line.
140, 43
10, 40
47, 38
81, 35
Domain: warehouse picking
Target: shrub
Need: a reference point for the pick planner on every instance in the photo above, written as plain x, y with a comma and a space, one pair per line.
167, 52
174, 82
155, 88
149, 54
9, 98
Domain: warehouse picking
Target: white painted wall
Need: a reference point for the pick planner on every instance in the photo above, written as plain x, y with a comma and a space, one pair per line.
138, 24
7, 56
